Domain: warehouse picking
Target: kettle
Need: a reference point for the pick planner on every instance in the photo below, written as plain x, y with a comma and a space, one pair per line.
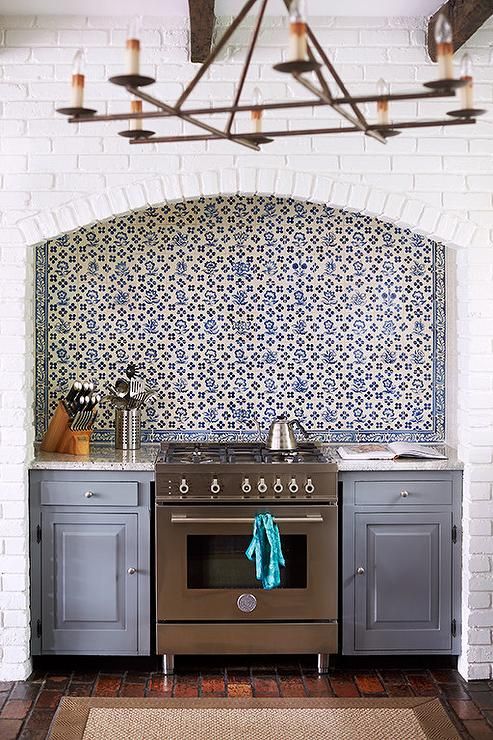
280, 436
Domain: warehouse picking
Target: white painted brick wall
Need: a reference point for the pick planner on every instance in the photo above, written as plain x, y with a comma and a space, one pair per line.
45, 162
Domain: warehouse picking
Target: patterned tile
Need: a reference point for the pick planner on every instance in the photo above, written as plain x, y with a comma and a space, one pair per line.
242, 308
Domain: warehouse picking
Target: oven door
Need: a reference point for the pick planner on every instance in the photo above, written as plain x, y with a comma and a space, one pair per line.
202, 571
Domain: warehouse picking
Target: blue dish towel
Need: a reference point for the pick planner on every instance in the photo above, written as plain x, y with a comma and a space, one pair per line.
265, 547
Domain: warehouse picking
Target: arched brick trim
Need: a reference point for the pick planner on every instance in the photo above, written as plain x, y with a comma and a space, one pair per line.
399, 208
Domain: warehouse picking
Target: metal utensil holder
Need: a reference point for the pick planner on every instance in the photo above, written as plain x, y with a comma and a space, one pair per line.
127, 429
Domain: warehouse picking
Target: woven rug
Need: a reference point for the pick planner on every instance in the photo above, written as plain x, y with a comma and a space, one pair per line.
251, 719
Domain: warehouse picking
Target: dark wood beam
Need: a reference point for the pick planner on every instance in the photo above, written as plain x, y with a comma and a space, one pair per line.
201, 27
465, 16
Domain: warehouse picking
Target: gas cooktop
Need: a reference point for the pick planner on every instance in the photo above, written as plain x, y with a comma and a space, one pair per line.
236, 453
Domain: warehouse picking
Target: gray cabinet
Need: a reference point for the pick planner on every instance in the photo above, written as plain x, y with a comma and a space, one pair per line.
90, 573
401, 562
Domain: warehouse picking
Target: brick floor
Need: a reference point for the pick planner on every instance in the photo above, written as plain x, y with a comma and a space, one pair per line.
27, 707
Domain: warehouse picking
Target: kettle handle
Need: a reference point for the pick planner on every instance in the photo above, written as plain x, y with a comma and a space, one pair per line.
301, 428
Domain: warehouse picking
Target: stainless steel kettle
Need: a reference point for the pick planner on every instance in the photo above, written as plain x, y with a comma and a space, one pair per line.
280, 436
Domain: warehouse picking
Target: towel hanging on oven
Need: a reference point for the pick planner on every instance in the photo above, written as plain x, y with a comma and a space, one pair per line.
265, 547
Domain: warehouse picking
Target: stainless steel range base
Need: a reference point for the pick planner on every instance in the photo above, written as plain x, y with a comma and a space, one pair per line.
247, 639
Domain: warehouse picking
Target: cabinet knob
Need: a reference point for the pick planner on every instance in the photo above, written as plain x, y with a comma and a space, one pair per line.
131, 571
404, 494
88, 494
360, 571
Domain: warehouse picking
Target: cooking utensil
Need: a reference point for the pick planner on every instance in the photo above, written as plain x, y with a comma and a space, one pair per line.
281, 436
122, 388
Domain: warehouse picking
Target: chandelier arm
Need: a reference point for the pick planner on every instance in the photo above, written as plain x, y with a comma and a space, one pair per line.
307, 132
246, 66
215, 51
350, 118
190, 119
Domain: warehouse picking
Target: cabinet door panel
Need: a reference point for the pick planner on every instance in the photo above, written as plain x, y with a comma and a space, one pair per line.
403, 598
90, 602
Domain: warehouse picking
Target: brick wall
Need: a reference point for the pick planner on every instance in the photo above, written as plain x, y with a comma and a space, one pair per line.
45, 162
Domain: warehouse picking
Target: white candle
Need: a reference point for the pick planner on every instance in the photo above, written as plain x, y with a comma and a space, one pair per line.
133, 56
382, 105
256, 115
77, 92
466, 92
136, 107
444, 47
297, 32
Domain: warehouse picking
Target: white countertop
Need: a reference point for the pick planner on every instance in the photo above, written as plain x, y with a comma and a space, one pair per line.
107, 458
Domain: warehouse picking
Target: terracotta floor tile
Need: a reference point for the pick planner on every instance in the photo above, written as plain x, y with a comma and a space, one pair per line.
465, 709
6, 686
265, 686
57, 682
133, 689
212, 685
368, 684
107, 685
37, 725
453, 691
317, 685
10, 728
483, 699
479, 729
23, 690
392, 677
344, 688
446, 676
423, 685
186, 686
239, 689
79, 689
48, 699
292, 686
399, 689
16, 708
84, 676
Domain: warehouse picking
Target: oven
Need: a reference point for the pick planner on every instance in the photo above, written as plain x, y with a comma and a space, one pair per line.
201, 562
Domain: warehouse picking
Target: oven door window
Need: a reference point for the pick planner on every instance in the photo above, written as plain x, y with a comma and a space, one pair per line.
219, 561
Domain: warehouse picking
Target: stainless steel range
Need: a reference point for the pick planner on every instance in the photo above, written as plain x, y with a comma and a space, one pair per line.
208, 599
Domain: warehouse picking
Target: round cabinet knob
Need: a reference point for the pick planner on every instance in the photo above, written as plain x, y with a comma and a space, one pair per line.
293, 486
278, 487
131, 571
246, 486
360, 571
184, 486
309, 487
262, 486
246, 602
89, 494
215, 487
404, 494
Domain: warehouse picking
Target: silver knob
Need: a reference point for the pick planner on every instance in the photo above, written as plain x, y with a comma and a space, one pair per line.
360, 571
404, 494
246, 602
184, 486
131, 571
246, 487
88, 494
215, 487
293, 486
278, 487
262, 486
309, 487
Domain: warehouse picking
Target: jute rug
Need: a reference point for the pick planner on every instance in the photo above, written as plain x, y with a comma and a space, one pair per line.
251, 719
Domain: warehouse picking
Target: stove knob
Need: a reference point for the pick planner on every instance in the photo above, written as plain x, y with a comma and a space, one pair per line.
309, 487
215, 487
278, 487
184, 486
262, 486
246, 487
293, 486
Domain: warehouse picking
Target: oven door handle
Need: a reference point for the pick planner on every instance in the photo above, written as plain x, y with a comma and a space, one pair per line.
182, 519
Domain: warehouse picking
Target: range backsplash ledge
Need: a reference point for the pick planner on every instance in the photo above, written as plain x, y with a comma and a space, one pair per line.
242, 308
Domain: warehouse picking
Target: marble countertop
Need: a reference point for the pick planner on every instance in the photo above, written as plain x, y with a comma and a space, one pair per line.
107, 458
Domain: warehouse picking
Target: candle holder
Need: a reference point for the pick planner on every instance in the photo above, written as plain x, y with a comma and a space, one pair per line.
132, 80
136, 133
466, 112
388, 133
74, 112
259, 139
451, 84
298, 66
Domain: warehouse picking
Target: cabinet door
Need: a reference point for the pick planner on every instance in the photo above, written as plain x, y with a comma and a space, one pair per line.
403, 582
89, 600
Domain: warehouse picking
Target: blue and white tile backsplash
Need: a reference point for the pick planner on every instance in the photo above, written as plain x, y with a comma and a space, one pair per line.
240, 308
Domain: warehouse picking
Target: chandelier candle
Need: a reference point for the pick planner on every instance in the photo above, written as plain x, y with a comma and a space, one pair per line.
77, 97
383, 105
256, 115
445, 49
133, 47
136, 107
297, 32
467, 92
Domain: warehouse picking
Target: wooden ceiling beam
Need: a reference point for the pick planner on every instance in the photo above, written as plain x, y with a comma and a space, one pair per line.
201, 28
465, 16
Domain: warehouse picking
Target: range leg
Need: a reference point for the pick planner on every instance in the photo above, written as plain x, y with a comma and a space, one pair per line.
323, 663
168, 664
